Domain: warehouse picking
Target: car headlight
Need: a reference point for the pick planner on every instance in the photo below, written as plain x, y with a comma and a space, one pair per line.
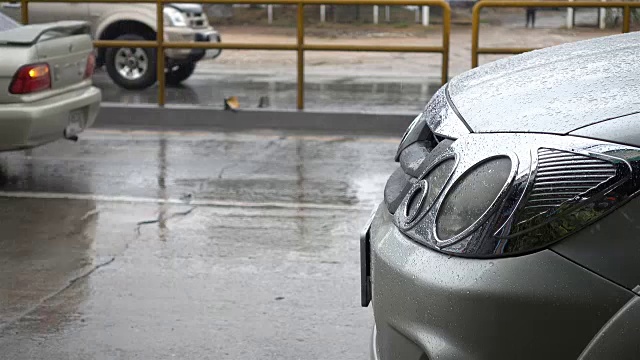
417, 131
424, 192
471, 197
174, 17
490, 195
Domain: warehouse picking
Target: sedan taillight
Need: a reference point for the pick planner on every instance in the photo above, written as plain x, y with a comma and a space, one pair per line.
31, 78
91, 65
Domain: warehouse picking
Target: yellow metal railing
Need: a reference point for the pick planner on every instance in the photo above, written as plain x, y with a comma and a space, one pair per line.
300, 46
476, 50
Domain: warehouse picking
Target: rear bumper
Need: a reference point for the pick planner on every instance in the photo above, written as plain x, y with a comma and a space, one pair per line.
428, 305
27, 125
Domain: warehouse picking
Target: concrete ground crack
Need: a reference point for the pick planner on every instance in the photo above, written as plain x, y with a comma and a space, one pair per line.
160, 218
225, 168
89, 214
53, 295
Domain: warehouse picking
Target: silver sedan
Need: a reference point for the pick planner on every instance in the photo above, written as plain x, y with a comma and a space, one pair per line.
510, 228
46, 91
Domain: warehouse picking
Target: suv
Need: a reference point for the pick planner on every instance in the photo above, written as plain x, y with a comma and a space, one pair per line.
134, 68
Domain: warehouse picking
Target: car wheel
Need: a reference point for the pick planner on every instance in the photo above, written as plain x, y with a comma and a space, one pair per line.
132, 68
176, 74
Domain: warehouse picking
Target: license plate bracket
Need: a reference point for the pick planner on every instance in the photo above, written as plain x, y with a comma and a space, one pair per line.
365, 262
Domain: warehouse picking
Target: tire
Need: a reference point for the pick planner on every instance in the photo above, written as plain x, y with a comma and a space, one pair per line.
131, 68
176, 74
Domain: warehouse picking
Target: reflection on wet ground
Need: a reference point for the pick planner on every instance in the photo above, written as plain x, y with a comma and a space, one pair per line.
337, 94
193, 246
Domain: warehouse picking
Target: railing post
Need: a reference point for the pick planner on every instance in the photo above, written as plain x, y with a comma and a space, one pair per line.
601, 17
24, 11
375, 14
626, 21
323, 13
570, 17
300, 44
425, 16
475, 34
160, 50
270, 14
387, 13
446, 35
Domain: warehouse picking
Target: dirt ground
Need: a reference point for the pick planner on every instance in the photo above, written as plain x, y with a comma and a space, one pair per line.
509, 31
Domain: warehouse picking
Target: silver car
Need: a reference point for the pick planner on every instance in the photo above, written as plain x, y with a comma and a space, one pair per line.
510, 228
46, 92
133, 68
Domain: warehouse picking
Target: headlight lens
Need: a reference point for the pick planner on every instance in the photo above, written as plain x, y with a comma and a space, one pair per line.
472, 195
508, 194
437, 178
423, 193
417, 131
174, 17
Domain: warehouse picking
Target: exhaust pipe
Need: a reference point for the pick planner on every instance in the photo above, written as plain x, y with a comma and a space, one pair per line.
73, 138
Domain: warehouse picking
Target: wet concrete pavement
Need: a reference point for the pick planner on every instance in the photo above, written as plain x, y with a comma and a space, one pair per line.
189, 246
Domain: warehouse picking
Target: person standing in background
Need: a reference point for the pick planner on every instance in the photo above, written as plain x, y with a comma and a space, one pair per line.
531, 17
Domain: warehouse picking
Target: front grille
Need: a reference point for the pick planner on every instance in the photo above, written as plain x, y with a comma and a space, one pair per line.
563, 176
197, 20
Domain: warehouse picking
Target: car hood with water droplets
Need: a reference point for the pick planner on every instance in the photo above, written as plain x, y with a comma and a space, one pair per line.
554, 90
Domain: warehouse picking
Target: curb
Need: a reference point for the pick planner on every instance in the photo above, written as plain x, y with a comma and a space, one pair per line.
199, 118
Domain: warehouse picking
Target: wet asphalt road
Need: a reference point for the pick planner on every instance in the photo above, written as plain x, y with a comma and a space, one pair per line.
187, 246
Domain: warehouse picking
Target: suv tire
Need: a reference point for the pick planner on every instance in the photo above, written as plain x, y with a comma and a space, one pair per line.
176, 74
132, 68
